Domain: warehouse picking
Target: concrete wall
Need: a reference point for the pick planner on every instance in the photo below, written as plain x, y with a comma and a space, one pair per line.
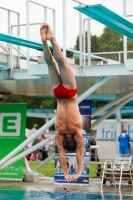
107, 138
106, 150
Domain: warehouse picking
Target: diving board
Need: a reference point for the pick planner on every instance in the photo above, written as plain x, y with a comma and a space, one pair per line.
108, 18
20, 41
38, 46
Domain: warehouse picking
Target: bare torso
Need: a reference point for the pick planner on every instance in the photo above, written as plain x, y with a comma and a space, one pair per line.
68, 118
69, 122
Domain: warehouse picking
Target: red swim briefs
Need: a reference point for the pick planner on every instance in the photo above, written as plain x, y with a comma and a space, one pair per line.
60, 92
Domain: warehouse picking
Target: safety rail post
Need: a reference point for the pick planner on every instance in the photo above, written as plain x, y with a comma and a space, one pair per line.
45, 18
9, 31
88, 42
124, 37
18, 34
80, 31
18, 48
64, 26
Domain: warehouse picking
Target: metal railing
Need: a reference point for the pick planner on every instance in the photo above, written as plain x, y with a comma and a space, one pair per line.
110, 139
45, 19
119, 55
9, 25
80, 32
12, 46
122, 55
7, 50
9, 19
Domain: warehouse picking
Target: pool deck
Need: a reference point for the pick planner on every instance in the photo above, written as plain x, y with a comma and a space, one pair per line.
51, 187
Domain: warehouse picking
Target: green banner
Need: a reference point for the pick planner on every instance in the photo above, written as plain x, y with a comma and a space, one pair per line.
12, 134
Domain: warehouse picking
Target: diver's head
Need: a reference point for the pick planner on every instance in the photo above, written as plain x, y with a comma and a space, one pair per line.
69, 143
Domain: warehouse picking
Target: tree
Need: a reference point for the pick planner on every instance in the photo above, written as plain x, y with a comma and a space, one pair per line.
94, 43
49, 104
15, 98
108, 41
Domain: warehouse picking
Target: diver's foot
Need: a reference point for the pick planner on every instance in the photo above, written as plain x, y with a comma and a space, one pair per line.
46, 32
43, 31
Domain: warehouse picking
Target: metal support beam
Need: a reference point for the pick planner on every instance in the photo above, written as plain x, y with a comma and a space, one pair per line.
80, 37
28, 151
118, 122
110, 104
64, 26
88, 42
27, 166
93, 88
111, 111
124, 37
47, 119
27, 31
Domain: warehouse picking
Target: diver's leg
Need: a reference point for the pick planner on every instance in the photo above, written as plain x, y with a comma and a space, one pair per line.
66, 73
54, 73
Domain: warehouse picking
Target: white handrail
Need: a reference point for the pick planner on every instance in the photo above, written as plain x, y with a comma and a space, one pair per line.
45, 16
80, 2
9, 10
39, 4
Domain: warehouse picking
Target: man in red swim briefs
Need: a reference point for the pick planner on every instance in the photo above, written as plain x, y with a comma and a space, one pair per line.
68, 122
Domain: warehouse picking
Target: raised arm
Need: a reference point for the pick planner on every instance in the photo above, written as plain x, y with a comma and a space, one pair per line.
59, 142
79, 154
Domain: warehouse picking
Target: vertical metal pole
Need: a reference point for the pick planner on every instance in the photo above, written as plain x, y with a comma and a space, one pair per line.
47, 119
10, 46
45, 20
119, 57
118, 129
80, 36
27, 31
89, 42
124, 37
11, 55
54, 23
64, 26
11, 51
9, 24
45, 14
18, 34
84, 63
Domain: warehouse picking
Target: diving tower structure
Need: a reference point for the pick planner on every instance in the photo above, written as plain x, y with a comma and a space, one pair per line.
91, 80
112, 20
